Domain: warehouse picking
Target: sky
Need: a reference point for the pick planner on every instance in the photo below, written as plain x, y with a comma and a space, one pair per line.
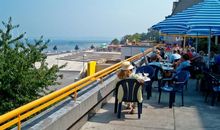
84, 19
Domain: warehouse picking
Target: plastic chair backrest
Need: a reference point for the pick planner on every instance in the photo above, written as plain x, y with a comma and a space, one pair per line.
181, 77
212, 80
158, 72
188, 68
146, 69
129, 90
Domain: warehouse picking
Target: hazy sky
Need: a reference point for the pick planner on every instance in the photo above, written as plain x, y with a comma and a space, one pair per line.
69, 19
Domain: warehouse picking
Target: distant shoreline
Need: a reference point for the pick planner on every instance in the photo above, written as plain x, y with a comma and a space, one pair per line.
69, 45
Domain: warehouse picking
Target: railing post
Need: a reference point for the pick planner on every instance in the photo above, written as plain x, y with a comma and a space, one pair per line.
19, 122
75, 95
102, 80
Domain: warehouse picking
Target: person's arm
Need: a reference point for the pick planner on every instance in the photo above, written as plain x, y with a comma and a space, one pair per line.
138, 77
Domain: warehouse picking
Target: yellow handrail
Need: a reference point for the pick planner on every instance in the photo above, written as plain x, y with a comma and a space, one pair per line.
17, 115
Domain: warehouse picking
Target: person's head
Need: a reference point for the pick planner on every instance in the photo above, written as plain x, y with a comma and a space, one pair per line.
157, 51
193, 49
185, 57
153, 57
174, 51
126, 70
188, 50
202, 53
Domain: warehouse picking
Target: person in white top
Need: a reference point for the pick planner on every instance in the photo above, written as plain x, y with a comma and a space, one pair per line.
175, 56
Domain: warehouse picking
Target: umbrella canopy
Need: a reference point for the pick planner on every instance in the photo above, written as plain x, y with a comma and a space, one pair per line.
196, 20
200, 19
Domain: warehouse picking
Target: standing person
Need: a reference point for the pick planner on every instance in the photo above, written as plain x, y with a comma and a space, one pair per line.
126, 72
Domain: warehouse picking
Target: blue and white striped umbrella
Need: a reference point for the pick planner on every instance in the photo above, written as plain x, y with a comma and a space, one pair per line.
204, 15
201, 19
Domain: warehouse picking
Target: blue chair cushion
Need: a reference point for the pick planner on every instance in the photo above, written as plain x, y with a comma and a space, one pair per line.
216, 88
167, 88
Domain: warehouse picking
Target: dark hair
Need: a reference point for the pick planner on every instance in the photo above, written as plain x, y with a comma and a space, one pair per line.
178, 51
185, 57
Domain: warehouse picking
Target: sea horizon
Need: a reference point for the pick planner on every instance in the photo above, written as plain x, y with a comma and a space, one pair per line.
65, 45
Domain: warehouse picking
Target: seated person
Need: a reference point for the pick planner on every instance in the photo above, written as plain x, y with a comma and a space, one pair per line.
189, 53
216, 66
194, 53
162, 53
159, 58
126, 72
154, 60
157, 53
183, 62
175, 56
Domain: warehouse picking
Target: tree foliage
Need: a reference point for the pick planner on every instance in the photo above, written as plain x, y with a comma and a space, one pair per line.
20, 80
115, 42
92, 47
203, 45
135, 37
76, 48
55, 48
151, 35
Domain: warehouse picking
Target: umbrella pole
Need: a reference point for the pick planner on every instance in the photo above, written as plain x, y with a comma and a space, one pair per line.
197, 43
209, 46
216, 40
184, 42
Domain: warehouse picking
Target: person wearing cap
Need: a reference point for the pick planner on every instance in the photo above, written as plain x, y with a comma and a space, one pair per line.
126, 72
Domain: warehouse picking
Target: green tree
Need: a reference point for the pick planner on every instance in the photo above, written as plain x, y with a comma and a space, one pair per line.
76, 48
143, 36
20, 80
115, 42
153, 35
92, 46
125, 38
203, 45
55, 48
137, 37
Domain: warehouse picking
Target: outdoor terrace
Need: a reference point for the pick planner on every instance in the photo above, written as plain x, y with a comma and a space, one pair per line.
96, 98
194, 115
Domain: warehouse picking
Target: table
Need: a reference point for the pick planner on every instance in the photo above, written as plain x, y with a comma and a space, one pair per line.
167, 66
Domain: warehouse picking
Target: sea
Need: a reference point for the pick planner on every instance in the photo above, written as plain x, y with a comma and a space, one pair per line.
69, 45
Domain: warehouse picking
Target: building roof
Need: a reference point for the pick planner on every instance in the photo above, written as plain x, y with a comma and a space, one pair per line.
181, 5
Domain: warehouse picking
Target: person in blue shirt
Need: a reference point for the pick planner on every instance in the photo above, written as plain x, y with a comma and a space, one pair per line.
184, 62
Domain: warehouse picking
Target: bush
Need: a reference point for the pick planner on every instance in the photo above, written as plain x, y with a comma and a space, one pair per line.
20, 80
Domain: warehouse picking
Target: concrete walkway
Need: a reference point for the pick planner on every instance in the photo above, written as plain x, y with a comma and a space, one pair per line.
195, 115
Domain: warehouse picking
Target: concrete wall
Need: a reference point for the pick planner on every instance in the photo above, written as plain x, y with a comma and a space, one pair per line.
102, 66
71, 115
65, 114
129, 51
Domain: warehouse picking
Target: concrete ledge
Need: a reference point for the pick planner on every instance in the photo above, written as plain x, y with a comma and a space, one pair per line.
72, 115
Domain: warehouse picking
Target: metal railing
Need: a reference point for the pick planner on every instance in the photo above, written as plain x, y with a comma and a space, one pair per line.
17, 115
